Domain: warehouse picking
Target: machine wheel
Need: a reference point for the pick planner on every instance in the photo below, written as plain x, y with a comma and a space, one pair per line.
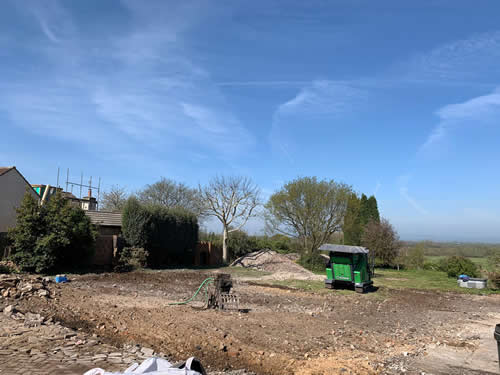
359, 289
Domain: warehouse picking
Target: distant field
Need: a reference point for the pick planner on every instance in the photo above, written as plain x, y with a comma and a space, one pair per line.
482, 262
470, 250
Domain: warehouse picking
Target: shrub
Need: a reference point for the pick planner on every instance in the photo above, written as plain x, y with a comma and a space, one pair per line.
55, 236
167, 234
132, 258
431, 266
415, 258
313, 261
493, 270
458, 265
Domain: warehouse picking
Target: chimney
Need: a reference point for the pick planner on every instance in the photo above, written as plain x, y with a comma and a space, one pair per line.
90, 193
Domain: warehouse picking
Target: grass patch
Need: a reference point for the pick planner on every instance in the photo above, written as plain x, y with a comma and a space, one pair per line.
424, 280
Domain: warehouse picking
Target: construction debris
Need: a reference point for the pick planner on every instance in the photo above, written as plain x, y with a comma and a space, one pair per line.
18, 287
279, 265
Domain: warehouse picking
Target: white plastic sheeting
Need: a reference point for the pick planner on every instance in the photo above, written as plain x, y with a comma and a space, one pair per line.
156, 366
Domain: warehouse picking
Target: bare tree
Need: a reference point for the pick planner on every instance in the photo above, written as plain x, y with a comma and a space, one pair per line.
309, 210
232, 200
114, 199
171, 194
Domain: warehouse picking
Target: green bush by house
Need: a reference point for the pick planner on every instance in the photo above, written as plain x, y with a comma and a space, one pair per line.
51, 237
167, 234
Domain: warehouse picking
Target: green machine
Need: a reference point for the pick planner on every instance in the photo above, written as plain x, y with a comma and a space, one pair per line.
348, 266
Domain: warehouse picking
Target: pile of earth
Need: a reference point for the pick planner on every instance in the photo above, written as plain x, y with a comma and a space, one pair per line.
279, 265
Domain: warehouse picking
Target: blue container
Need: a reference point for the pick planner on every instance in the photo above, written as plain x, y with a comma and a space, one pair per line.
61, 279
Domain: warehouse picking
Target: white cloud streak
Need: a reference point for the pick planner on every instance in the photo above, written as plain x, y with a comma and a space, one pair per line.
471, 113
137, 84
473, 59
321, 99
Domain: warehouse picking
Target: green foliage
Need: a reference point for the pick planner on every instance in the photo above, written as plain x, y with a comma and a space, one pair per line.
136, 221
132, 258
167, 234
431, 266
313, 262
415, 258
239, 243
372, 209
383, 240
55, 236
459, 265
493, 270
309, 210
353, 227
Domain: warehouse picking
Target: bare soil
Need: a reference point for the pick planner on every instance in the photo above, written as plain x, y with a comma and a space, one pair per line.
280, 330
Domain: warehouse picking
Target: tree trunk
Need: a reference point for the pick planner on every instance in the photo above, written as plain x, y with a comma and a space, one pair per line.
224, 245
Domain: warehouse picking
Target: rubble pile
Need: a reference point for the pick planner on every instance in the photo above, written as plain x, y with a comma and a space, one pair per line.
18, 287
279, 265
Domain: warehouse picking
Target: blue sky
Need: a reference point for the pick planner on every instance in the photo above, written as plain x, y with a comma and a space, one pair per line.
399, 99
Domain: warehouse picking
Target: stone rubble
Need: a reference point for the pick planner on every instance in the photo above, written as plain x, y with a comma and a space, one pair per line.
18, 287
31, 344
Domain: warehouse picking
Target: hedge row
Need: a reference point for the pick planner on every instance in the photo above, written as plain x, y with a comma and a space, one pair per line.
168, 235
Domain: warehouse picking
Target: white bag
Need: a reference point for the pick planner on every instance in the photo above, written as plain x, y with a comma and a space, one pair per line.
157, 366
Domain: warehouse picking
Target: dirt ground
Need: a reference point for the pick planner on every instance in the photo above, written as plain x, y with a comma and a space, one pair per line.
280, 330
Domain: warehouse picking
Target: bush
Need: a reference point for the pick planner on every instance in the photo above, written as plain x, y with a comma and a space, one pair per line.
458, 265
493, 270
54, 237
313, 261
166, 234
132, 258
431, 266
414, 259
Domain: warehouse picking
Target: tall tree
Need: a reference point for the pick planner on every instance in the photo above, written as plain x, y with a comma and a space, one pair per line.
383, 240
309, 210
114, 199
364, 213
352, 227
372, 209
232, 200
170, 194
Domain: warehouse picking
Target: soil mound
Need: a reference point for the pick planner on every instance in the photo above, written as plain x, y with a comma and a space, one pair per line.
280, 266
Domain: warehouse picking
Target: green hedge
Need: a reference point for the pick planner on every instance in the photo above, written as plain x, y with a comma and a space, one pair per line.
167, 234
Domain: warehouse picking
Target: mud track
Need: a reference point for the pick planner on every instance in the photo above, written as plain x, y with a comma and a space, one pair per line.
284, 331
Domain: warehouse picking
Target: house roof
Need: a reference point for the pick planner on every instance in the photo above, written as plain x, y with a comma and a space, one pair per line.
344, 249
4, 170
105, 218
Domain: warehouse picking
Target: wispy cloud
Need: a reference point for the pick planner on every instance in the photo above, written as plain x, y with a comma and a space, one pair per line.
403, 181
320, 99
270, 83
471, 113
136, 84
474, 59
